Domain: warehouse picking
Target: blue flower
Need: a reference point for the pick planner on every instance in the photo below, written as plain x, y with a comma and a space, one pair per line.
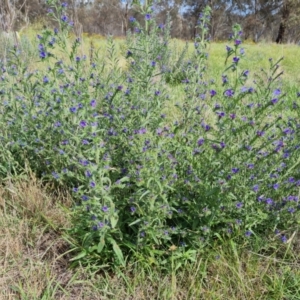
84, 197
132, 19
277, 92
83, 123
229, 93
148, 17
235, 170
239, 205
236, 59
55, 175
200, 141
88, 173
248, 233
212, 93
43, 54
64, 18
237, 42
228, 49
105, 209
93, 103
92, 184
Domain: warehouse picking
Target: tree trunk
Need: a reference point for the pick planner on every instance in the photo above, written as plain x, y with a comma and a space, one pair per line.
283, 23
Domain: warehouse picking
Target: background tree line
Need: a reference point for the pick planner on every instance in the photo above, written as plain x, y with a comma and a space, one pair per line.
269, 20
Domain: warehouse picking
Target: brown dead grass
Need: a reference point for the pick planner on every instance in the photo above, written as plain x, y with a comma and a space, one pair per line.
34, 261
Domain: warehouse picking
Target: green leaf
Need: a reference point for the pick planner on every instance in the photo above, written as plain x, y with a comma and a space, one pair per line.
101, 245
79, 256
118, 252
135, 222
114, 220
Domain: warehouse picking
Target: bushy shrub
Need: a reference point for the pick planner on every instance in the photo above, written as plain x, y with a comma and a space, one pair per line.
145, 181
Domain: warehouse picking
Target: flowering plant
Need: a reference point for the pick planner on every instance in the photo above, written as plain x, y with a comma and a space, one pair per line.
149, 171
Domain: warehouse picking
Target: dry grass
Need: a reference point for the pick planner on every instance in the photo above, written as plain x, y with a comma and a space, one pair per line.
34, 261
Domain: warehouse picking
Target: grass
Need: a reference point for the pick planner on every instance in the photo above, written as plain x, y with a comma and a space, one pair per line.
34, 260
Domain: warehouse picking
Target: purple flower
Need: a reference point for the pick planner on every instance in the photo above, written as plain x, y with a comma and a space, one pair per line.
64, 18
200, 141
43, 54
100, 224
105, 208
132, 209
235, 170
153, 63
84, 197
73, 109
221, 114
256, 188
276, 186
283, 238
245, 73
260, 198
277, 92
224, 79
242, 51
148, 17
236, 59
260, 133
228, 49
239, 205
132, 19
92, 184
229, 93
93, 103
248, 233
212, 93
75, 189
206, 127
83, 124
237, 42
88, 173
45, 79
55, 175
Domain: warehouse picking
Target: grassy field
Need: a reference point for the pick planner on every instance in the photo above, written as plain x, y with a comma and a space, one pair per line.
34, 250
34, 260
